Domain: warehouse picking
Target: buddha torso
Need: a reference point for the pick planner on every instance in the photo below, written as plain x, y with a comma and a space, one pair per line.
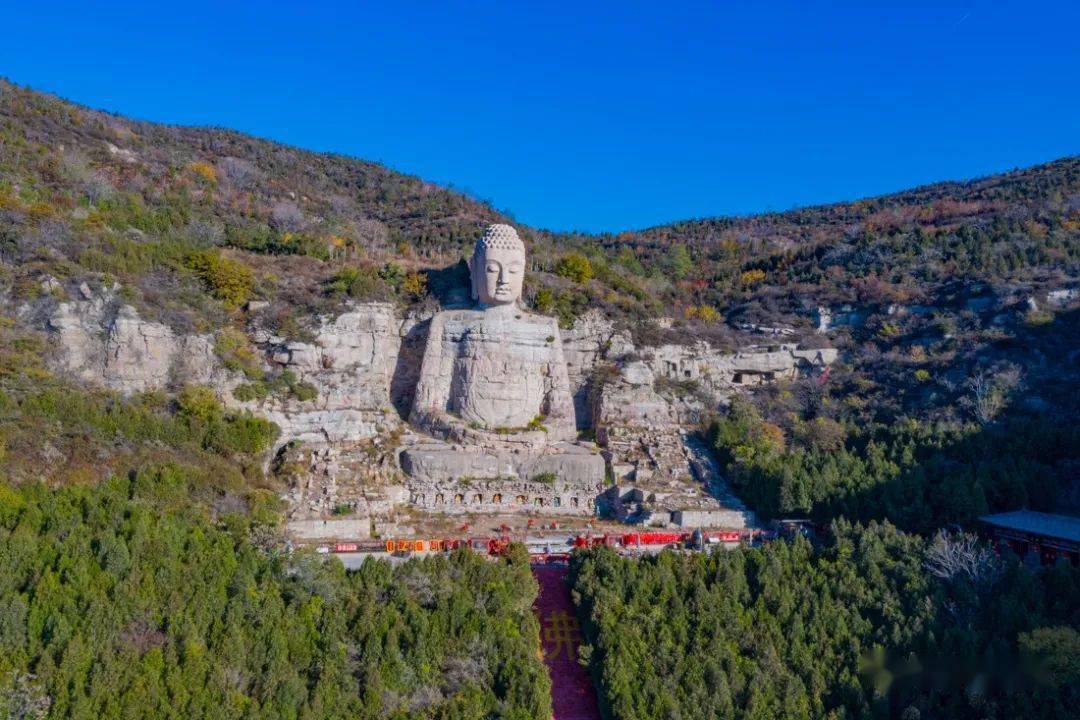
495, 370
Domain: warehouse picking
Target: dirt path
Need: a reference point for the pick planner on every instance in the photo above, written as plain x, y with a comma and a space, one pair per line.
572, 694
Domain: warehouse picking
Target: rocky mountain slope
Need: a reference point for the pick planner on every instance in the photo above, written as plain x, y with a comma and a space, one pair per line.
297, 284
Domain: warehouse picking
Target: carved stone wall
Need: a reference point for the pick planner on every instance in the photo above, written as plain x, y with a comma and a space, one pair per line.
721, 373
358, 479
501, 496
592, 341
351, 362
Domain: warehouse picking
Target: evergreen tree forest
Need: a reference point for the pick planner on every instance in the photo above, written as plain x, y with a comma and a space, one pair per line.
127, 600
874, 623
921, 476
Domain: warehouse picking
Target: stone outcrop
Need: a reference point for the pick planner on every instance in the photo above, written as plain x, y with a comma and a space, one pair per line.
721, 373
659, 468
351, 363
106, 343
1062, 297
592, 340
828, 318
638, 428
357, 479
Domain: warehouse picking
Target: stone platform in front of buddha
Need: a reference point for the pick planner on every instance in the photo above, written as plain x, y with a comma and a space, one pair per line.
561, 477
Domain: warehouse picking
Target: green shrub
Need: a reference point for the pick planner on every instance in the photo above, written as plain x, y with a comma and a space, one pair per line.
888, 331
544, 301
241, 433
415, 285
281, 386
1052, 654
199, 404
678, 262
569, 305
393, 274
1038, 318
246, 392
227, 279
225, 432
362, 283
304, 391
236, 353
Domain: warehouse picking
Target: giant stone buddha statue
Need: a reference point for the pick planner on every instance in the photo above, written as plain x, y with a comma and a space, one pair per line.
496, 367
493, 395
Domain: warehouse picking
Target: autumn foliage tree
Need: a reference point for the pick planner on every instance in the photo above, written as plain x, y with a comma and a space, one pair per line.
575, 266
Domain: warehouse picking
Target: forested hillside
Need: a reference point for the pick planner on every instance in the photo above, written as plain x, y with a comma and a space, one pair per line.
876, 623
218, 187
143, 571
194, 222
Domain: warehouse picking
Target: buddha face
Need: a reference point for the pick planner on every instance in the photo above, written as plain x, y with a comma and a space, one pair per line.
497, 274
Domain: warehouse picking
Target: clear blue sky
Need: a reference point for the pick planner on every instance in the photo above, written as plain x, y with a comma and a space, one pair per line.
597, 116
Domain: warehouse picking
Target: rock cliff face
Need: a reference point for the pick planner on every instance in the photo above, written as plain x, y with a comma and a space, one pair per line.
105, 342
722, 373
592, 341
364, 365
354, 478
662, 473
351, 363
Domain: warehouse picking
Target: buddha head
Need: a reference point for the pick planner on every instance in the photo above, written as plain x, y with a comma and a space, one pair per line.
497, 266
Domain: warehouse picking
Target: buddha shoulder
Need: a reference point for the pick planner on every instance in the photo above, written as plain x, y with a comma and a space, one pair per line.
456, 323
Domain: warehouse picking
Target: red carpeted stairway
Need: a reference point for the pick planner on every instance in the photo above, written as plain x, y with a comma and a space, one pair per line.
572, 694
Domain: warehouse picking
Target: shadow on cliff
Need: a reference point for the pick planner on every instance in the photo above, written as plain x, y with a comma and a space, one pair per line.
407, 369
450, 287
1028, 456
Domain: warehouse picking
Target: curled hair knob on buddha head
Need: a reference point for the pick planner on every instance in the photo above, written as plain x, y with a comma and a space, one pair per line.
497, 266
499, 236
